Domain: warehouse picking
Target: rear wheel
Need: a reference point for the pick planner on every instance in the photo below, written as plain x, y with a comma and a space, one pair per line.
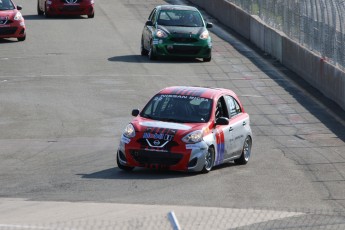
247, 147
209, 160
123, 167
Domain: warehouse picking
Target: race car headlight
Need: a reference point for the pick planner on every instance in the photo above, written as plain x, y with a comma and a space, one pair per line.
18, 16
129, 131
49, 2
204, 35
161, 34
193, 137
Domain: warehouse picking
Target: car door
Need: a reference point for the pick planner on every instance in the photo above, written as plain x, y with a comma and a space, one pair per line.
237, 123
223, 133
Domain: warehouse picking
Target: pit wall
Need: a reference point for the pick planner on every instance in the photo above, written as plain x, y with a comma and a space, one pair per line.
325, 77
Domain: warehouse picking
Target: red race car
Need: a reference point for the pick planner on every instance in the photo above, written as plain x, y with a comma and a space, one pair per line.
12, 23
187, 129
66, 7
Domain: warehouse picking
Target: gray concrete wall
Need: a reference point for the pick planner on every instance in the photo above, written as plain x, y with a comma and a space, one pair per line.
327, 78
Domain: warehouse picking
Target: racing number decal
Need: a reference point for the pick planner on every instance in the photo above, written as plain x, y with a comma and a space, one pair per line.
220, 146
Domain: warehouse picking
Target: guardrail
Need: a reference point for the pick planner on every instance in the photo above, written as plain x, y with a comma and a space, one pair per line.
310, 64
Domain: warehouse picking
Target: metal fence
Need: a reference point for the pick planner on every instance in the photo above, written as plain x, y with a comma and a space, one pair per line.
318, 25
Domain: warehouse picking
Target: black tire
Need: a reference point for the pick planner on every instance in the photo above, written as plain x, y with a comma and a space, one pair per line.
123, 167
91, 15
151, 53
20, 39
143, 51
246, 151
209, 161
207, 59
46, 12
39, 11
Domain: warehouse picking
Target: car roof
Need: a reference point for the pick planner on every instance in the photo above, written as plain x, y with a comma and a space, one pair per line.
196, 91
177, 7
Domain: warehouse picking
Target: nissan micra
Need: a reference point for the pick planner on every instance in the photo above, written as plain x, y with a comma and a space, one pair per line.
12, 23
187, 129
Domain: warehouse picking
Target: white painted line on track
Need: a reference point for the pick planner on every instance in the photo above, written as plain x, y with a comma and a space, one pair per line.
174, 221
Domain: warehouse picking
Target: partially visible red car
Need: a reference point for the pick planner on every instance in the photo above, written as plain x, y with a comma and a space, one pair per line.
12, 23
66, 7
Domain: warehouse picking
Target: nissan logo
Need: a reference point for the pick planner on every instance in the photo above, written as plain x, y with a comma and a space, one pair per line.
3, 20
156, 142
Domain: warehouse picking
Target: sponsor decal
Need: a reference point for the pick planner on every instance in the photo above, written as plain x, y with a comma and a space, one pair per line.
157, 137
155, 41
189, 91
220, 146
160, 97
159, 134
192, 146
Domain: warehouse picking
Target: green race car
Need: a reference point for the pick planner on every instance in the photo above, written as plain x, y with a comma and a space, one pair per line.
176, 30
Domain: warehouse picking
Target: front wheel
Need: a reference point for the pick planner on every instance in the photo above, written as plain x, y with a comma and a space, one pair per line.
48, 15
246, 151
143, 51
20, 39
123, 167
39, 11
91, 15
207, 59
209, 160
152, 55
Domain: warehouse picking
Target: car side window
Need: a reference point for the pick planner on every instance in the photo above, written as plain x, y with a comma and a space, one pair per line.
152, 15
233, 106
221, 109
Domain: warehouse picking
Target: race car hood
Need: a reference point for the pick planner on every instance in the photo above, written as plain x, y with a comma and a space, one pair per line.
181, 31
7, 15
170, 128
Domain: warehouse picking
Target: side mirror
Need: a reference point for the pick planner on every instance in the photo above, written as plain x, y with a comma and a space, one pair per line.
222, 121
209, 25
135, 112
19, 7
149, 23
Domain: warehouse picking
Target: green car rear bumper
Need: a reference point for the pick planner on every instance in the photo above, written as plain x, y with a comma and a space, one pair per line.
199, 49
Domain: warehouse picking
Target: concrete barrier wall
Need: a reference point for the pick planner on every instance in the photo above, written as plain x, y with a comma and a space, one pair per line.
327, 78
227, 13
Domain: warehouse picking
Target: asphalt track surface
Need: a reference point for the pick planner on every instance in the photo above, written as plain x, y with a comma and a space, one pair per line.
66, 94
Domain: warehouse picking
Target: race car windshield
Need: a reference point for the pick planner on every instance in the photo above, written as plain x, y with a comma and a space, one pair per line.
178, 108
6, 5
184, 18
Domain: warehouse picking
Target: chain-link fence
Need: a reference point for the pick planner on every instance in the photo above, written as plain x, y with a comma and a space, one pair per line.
318, 25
